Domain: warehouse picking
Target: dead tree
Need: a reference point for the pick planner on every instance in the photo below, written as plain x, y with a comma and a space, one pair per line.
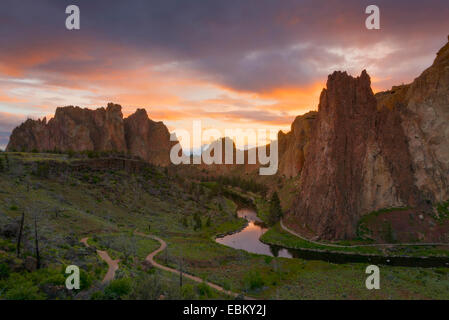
19, 237
7, 162
166, 256
38, 258
180, 272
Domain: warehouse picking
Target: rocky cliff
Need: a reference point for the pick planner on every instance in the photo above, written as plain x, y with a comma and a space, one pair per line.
292, 145
147, 139
103, 129
370, 152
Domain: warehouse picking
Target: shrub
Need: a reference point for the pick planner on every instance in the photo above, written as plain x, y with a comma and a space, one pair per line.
184, 222
118, 289
85, 280
18, 287
253, 280
42, 170
268, 259
97, 295
4, 271
197, 221
24, 291
188, 292
147, 288
204, 290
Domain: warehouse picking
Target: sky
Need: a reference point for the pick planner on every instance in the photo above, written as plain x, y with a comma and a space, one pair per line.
232, 64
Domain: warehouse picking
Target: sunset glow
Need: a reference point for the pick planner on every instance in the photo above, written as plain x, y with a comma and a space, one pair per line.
207, 63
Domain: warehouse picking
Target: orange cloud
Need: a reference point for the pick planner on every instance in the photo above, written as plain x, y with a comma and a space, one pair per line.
8, 99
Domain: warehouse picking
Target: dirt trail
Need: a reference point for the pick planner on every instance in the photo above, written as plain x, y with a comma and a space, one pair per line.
360, 245
150, 259
112, 264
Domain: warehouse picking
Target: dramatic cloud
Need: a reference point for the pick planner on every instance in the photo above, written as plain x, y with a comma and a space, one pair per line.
259, 61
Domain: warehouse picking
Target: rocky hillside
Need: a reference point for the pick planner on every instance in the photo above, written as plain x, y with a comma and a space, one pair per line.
370, 152
77, 129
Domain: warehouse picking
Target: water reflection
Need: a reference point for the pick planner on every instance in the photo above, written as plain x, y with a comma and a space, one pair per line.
248, 238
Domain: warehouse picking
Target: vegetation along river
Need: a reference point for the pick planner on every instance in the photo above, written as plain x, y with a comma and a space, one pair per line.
248, 239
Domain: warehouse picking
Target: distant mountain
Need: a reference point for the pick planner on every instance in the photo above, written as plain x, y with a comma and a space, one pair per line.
77, 129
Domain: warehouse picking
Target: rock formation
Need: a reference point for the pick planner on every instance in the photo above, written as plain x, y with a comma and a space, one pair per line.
72, 128
147, 139
371, 152
292, 145
77, 129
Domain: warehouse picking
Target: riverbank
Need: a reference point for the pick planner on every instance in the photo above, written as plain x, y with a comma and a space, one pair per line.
277, 236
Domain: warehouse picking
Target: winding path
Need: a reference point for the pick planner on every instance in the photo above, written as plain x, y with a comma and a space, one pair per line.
112, 264
150, 259
359, 245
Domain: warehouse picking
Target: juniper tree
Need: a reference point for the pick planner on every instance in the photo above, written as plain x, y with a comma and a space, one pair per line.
275, 213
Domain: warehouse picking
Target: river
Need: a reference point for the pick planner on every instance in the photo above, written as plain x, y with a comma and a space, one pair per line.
248, 238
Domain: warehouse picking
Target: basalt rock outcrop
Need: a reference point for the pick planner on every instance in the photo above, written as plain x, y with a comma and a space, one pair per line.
148, 139
292, 145
370, 152
104, 129
72, 128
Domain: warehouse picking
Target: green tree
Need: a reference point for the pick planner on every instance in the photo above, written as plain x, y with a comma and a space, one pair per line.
184, 222
197, 220
275, 214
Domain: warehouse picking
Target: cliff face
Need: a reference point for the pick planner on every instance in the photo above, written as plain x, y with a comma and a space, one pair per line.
426, 124
332, 177
72, 128
292, 145
77, 129
148, 139
368, 153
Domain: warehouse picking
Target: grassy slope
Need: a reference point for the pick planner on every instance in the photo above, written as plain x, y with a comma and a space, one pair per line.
116, 203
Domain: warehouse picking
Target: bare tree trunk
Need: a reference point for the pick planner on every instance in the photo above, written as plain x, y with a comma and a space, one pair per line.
180, 273
166, 256
38, 258
19, 238
7, 162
